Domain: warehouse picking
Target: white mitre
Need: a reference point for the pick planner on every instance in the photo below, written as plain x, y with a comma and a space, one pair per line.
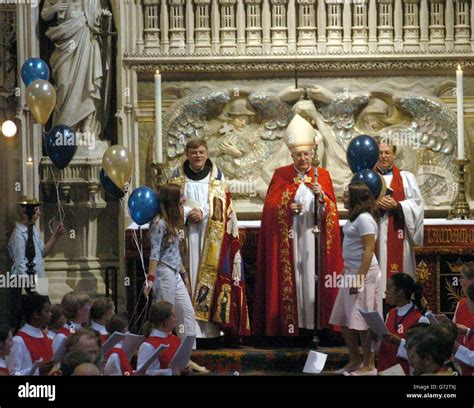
299, 135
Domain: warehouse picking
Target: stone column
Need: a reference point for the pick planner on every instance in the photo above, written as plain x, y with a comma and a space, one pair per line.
398, 25
424, 22
346, 24
215, 27
291, 26
372, 26
266, 25
449, 24
321, 16
189, 27
240, 27
164, 23
135, 40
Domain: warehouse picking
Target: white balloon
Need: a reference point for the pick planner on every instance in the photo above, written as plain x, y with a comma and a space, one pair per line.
9, 128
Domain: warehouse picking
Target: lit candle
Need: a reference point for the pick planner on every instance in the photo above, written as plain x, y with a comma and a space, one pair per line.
460, 111
158, 130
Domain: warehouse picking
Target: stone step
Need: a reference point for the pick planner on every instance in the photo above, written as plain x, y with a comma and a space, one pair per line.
262, 361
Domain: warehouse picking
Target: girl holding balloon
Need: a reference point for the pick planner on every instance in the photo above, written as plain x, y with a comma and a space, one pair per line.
166, 274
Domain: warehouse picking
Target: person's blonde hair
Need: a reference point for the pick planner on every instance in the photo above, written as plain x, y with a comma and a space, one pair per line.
72, 302
100, 307
196, 143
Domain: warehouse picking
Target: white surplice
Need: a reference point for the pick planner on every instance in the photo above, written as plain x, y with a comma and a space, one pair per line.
303, 255
413, 212
197, 191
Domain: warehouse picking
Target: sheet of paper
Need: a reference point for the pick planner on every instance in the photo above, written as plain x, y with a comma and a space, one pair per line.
131, 343
375, 322
315, 362
394, 370
181, 358
142, 370
437, 318
431, 317
112, 341
442, 318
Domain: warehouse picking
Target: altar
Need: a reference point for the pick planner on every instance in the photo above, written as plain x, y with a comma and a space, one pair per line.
448, 244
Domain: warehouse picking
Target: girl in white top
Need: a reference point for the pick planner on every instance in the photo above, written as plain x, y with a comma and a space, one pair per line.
360, 286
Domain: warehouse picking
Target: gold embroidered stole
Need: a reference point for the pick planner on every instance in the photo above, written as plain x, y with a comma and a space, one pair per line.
210, 256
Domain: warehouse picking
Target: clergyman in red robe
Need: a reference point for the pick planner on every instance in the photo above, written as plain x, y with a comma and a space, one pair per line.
286, 265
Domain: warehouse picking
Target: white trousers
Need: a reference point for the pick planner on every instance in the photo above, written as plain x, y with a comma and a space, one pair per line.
169, 286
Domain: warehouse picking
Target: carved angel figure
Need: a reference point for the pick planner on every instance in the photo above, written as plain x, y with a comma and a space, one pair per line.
242, 131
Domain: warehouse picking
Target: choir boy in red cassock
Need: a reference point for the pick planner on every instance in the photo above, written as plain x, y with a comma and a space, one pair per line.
101, 311
406, 313
118, 362
32, 343
163, 321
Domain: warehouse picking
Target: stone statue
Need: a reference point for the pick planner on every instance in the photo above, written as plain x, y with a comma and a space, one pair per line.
79, 62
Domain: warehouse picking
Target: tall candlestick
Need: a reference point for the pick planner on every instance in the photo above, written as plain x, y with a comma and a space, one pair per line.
460, 111
158, 130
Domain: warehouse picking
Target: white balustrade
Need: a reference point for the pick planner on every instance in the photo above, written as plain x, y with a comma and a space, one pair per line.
305, 27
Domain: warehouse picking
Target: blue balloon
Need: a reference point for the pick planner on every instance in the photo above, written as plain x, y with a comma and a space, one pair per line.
362, 153
372, 179
61, 145
143, 205
33, 69
109, 186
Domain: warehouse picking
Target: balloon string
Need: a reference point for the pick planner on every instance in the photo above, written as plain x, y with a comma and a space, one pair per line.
60, 213
139, 246
132, 318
